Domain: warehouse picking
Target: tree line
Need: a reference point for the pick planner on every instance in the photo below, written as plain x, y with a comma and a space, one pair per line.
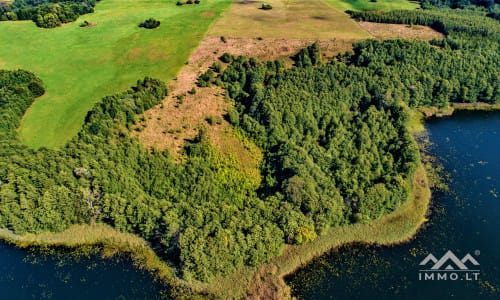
447, 21
46, 13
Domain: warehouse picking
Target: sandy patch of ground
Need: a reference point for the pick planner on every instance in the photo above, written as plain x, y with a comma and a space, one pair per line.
389, 31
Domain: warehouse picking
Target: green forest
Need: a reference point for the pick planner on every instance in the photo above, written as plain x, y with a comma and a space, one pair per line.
334, 135
46, 13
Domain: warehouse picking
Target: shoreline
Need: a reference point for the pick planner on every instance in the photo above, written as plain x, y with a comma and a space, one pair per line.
264, 281
99, 239
400, 226
437, 112
268, 280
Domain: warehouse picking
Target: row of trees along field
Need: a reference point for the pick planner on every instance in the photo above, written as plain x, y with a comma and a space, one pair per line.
461, 68
459, 3
46, 13
336, 151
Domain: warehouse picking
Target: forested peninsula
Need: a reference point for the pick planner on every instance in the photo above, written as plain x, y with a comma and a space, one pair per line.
337, 152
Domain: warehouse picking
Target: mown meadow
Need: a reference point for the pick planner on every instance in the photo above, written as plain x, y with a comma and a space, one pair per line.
79, 65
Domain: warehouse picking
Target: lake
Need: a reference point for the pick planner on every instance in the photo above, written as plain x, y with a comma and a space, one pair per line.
31, 275
465, 220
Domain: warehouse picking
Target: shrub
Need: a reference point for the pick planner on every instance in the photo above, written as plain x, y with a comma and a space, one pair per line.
266, 6
216, 67
196, 1
233, 117
226, 58
189, 2
179, 3
150, 23
211, 120
223, 39
205, 79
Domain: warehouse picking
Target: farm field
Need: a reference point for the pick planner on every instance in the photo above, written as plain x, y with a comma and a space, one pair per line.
81, 65
295, 19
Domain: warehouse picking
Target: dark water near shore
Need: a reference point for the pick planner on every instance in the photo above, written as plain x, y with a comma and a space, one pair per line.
31, 275
464, 220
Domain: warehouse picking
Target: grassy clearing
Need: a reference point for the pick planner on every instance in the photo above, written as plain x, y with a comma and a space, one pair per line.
267, 281
81, 65
291, 19
385, 5
416, 121
235, 146
400, 31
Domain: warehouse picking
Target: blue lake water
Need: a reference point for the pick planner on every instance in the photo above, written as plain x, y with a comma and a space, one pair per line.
31, 275
466, 219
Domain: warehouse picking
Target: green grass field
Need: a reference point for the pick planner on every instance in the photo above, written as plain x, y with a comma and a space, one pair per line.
81, 65
385, 5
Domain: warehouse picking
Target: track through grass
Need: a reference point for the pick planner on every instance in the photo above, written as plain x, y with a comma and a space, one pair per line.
81, 65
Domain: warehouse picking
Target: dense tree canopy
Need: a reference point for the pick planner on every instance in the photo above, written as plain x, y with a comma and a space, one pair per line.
203, 215
461, 68
473, 22
459, 3
334, 137
46, 13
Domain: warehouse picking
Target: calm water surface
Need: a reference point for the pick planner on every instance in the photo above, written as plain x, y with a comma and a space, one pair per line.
464, 220
25, 275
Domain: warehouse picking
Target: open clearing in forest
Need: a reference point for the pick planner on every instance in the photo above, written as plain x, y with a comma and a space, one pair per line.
81, 65
390, 31
292, 19
181, 114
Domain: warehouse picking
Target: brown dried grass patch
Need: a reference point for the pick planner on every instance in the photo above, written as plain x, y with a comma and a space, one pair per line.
401, 31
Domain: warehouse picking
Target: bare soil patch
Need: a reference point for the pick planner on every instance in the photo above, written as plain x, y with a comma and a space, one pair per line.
388, 31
